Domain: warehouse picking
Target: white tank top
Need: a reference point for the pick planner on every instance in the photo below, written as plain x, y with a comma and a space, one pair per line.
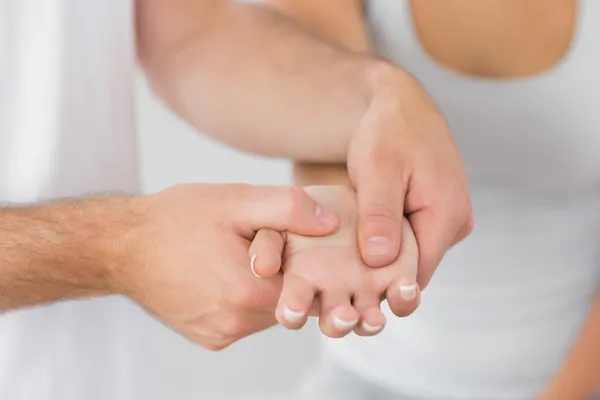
506, 304
67, 128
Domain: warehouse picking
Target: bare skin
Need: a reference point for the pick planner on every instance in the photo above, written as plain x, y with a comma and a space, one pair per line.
299, 97
181, 253
208, 60
495, 39
577, 378
328, 275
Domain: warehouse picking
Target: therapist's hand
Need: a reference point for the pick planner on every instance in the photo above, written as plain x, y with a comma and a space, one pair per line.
186, 256
402, 161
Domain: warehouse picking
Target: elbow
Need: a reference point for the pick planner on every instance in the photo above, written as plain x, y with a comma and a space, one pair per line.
164, 27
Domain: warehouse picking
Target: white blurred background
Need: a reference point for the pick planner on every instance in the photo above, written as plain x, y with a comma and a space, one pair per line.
265, 366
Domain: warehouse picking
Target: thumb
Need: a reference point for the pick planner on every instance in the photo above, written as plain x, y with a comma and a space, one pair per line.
283, 208
381, 211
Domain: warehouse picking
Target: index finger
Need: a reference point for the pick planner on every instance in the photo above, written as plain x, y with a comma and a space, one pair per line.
435, 230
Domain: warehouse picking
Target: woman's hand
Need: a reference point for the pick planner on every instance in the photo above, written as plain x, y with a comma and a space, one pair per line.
328, 275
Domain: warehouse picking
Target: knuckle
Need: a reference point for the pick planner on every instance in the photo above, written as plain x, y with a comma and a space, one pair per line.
211, 346
383, 159
386, 155
216, 346
293, 200
470, 224
381, 211
243, 297
465, 220
232, 327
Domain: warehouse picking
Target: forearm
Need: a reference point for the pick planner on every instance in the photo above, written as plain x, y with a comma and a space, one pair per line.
249, 76
342, 24
60, 250
579, 376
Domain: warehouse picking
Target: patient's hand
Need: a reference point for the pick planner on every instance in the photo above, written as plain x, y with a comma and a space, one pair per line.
327, 275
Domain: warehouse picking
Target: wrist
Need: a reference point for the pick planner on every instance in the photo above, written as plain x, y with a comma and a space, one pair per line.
123, 247
308, 174
385, 80
395, 91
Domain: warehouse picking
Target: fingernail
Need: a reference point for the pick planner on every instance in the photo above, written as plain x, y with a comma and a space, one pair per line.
325, 215
343, 324
378, 246
252, 259
370, 328
292, 316
408, 292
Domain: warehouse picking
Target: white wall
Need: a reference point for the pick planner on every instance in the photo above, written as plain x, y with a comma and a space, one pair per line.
270, 362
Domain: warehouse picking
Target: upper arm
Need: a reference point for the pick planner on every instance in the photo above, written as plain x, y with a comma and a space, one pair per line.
339, 21
162, 23
165, 24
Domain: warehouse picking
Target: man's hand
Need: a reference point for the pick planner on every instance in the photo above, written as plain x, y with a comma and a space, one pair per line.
189, 262
181, 253
402, 161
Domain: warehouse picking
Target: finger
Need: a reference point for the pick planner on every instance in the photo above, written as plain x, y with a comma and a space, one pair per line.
403, 299
465, 231
438, 228
338, 316
372, 320
380, 193
236, 284
265, 253
281, 208
295, 301
403, 294
435, 231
